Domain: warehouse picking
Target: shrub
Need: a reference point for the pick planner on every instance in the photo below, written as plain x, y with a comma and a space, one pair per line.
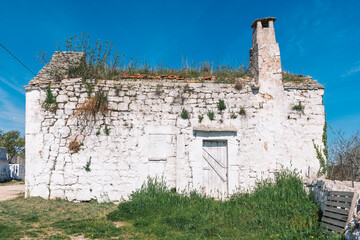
221, 105
184, 114
211, 115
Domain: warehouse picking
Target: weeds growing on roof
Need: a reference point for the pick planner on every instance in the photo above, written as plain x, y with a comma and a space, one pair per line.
102, 61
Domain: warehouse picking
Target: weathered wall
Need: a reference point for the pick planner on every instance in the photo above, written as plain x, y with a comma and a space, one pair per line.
4, 166
148, 137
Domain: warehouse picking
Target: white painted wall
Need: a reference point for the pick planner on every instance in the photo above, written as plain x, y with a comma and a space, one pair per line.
148, 137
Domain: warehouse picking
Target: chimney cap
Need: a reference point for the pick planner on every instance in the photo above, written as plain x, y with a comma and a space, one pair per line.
264, 21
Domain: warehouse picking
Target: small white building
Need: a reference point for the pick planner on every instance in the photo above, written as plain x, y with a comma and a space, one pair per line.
144, 134
4, 166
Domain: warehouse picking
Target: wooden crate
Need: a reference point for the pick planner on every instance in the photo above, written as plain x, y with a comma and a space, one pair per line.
338, 210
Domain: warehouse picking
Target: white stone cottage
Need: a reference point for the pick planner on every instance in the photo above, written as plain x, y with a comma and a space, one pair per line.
144, 134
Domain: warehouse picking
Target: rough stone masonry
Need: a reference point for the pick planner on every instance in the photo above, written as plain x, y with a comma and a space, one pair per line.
144, 134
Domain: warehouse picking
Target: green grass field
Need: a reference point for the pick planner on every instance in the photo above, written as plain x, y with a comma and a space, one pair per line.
278, 209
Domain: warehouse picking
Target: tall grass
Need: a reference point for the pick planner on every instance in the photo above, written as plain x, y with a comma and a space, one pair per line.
278, 209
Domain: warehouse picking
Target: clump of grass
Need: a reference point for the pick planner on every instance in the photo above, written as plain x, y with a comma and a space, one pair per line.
221, 105
50, 103
184, 114
74, 146
242, 111
233, 115
288, 77
88, 110
299, 107
285, 213
211, 115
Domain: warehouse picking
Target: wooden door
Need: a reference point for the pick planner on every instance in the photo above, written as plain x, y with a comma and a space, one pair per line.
215, 168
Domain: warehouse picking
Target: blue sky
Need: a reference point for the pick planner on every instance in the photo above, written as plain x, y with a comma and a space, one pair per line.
318, 38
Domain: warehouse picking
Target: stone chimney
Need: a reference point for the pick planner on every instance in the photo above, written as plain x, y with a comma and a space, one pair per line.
265, 63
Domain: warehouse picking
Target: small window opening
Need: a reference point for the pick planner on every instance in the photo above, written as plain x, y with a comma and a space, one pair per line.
265, 24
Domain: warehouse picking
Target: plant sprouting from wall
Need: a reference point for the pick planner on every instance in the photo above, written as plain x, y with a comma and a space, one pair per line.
87, 166
90, 108
221, 105
50, 103
299, 107
200, 118
107, 130
184, 114
211, 115
242, 111
74, 146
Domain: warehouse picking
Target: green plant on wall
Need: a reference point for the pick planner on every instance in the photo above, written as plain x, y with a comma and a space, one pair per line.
221, 105
299, 107
184, 114
200, 118
242, 111
106, 130
322, 156
87, 166
211, 115
50, 103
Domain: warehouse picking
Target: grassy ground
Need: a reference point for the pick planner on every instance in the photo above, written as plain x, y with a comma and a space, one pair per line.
280, 210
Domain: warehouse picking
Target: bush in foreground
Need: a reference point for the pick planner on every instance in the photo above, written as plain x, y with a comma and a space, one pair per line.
278, 209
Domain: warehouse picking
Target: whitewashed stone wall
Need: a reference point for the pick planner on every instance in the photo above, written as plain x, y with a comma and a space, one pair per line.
148, 137
4, 166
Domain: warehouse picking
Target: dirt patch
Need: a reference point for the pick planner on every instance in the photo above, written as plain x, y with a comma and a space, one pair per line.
11, 190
